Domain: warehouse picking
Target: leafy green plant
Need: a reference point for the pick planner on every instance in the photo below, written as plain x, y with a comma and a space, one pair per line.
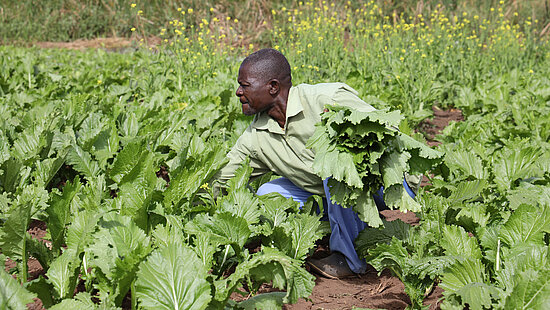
362, 151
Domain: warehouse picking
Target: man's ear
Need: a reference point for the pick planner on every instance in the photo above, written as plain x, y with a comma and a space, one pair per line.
274, 87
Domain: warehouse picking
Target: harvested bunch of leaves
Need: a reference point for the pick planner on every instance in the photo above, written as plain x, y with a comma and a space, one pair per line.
362, 151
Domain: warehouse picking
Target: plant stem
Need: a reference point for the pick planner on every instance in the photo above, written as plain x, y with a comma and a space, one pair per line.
225, 255
498, 256
133, 294
24, 267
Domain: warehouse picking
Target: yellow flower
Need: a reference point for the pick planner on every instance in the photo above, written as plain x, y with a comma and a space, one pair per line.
236, 20
211, 9
133, 5
140, 12
190, 10
204, 186
531, 71
133, 29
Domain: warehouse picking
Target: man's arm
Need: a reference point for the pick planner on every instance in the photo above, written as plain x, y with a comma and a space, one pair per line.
348, 97
243, 149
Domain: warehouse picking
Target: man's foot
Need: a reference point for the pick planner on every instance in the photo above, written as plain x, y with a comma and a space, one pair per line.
333, 266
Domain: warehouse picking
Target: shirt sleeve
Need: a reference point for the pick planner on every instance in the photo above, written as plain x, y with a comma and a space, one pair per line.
243, 148
348, 97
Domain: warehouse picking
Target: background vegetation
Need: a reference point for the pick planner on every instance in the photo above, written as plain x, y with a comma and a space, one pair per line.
24, 21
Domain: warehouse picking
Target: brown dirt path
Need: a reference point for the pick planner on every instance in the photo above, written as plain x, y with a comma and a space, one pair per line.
110, 44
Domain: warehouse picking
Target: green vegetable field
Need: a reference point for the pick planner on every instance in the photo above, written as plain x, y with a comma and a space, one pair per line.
111, 154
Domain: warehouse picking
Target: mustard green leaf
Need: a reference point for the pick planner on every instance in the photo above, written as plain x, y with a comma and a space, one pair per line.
532, 290
12, 294
173, 277
456, 242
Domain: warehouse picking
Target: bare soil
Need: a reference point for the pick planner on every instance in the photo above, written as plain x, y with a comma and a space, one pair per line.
432, 127
110, 44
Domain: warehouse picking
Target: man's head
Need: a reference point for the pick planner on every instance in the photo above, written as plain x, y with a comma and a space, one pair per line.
263, 77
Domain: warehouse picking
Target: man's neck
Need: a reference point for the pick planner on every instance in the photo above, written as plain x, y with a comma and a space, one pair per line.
278, 111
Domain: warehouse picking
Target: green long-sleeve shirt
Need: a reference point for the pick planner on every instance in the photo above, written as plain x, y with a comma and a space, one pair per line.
283, 150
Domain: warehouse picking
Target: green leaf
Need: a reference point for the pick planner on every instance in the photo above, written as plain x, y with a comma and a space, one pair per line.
47, 169
515, 164
466, 162
527, 224
467, 190
462, 272
223, 228
456, 242
13, 234
299, 282
304, 230
63, 273
521, 258
29, 144
82, 301
136, 190
126, 160
370, 236
83, 162
117, 249
528, 194
240, 201
205, 249
367, 211
106, 145
407, 143
532, 291
43, 289
394, 166
14, 231
266, 301
391, 119
338, 165
59, 212
12, 294
186, 184
173, 277
11, 174
396, 196
478, 295
90, 129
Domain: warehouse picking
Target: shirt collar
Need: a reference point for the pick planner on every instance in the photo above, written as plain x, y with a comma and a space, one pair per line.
293, 107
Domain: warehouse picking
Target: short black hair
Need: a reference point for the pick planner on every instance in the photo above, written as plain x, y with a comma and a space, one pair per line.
270, 63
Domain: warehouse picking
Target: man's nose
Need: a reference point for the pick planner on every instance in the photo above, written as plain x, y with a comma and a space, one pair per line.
239, 91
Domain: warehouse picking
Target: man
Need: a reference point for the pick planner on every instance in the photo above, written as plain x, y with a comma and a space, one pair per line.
284, 119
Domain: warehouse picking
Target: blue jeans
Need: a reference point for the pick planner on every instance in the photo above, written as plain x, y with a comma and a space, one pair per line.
344, 222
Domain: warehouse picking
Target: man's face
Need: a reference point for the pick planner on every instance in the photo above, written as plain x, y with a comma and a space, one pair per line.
253, 91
